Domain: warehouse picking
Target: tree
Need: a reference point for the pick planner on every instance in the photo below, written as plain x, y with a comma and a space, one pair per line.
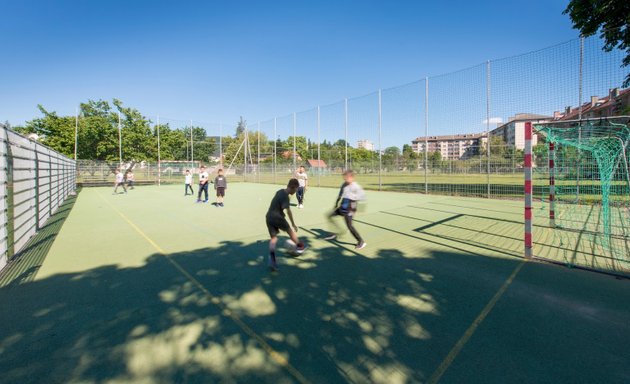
610, 17
240, 127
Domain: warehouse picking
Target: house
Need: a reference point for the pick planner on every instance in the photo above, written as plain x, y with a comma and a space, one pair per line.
317, 164
617, 103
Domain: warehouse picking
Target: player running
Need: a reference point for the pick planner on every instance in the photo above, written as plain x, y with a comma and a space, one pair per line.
349, 195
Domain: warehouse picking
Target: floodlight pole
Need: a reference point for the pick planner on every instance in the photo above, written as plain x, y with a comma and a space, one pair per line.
221, 144
577, 186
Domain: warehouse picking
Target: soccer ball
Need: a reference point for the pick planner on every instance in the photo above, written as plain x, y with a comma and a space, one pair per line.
292, 248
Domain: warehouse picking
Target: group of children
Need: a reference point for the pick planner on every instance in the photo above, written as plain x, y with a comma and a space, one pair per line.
220, 185
120, 180
349, 195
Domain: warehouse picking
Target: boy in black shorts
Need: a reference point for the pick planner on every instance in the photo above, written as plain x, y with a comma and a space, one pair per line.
276, 221
220, 185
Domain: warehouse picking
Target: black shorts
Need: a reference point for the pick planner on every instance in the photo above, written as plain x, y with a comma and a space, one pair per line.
220, 191
276, 224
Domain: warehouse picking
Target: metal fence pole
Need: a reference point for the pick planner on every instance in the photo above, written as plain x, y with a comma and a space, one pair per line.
294, 141
76, 134
345, 164
380, 128
426, 135
319, 158
258, 153
275, 149
159, 155
192, 145
580, 86
37, 189
119, 140
488, 122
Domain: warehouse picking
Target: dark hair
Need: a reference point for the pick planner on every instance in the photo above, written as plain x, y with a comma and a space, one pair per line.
220, 170
293, 183
187, 170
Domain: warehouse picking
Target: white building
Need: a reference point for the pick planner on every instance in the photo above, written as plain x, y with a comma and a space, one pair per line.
513, 132
365, 144
451, 147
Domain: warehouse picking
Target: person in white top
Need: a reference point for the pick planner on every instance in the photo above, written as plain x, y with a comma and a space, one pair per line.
302, 178
120, 182
203, 184
188, 181
346, 205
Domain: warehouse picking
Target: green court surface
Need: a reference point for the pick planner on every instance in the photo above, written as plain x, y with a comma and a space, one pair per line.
150, 287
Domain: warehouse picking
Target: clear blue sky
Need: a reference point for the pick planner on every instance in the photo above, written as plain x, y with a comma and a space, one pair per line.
214, 61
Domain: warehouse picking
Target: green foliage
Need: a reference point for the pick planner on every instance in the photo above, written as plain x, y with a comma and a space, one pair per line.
610, 17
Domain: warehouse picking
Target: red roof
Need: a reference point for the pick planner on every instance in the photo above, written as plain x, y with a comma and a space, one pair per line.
317, 163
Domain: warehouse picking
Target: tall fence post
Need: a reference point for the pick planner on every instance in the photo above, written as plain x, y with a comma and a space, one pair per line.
159, 154
528, 190
319, 157
37, 189
345, 164
426, 135
275, 149
258, 153
380, 128
294, 141
488, 123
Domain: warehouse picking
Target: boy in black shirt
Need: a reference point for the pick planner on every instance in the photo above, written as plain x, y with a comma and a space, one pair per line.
276, 221
220, 185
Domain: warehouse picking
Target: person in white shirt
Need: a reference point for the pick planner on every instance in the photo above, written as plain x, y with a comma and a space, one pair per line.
302, 178
120, 182
203, 184
349, 195
188, 181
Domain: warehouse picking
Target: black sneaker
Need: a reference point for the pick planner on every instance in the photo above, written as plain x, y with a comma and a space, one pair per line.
361, 245
330, 237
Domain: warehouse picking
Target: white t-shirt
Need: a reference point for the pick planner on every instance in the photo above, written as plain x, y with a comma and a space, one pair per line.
119, 177
301, 177
189, 179
353, 191
203, 177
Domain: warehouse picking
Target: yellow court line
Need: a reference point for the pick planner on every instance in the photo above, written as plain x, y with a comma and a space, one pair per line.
435, 377
215, 300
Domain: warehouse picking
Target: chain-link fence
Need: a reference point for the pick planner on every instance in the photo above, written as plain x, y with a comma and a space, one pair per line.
460, 133
34, 182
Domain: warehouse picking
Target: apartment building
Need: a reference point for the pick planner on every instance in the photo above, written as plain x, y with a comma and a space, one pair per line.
513, 132
365, 144
451, 147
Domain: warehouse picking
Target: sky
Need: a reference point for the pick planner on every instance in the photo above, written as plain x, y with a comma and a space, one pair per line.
214, 61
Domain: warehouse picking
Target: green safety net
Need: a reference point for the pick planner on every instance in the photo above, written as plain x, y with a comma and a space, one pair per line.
592, 192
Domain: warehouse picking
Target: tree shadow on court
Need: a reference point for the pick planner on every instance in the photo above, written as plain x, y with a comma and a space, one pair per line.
215, 314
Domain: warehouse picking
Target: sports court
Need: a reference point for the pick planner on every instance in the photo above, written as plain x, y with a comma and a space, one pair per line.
149, 287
